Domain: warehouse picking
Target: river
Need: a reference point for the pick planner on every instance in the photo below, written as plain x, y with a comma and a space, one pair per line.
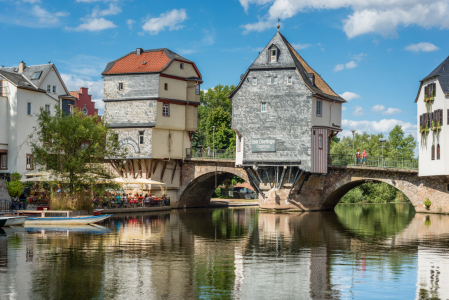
372, 251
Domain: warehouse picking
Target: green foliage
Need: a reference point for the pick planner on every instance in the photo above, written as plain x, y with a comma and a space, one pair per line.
15, 176
397, 145
73, 148
235, 180
374, 193
15, 188
427, 203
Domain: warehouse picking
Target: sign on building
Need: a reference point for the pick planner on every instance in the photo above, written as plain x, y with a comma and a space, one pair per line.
263, 145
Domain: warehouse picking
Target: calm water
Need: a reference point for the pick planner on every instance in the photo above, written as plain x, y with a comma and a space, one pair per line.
356, 252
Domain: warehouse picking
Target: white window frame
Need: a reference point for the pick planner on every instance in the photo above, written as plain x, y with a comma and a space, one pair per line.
269, 80
273, 58
3, 161
319, 108
29, 162
289, 78
275, 80
239, 143
47, 106
55, 89
30, 105
165, 109
263, 107
48, 88
254, 81
141, 137
320, 141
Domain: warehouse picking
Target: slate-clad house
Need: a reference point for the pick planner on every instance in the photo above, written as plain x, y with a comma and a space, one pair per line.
24, 90
151, 101
284, 113
433, 118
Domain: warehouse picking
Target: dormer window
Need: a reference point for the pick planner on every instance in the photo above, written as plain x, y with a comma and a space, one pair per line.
273, 52
36, 75
144, 63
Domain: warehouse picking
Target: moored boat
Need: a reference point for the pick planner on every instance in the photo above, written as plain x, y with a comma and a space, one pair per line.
80, 220
11, 221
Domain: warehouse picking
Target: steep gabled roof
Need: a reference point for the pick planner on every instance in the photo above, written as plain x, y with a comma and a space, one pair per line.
442, 72
19, 80
156, 60
30, 70
321, 88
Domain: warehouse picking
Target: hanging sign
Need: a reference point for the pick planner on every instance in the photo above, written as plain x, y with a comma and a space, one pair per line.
263, 145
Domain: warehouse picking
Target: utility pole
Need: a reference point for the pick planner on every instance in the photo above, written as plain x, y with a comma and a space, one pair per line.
382, 141
213, 129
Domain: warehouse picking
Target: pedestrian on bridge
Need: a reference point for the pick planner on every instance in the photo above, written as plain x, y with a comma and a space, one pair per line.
364, 157
359, 160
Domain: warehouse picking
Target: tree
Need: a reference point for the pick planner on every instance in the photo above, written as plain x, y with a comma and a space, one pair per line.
73, 148
400, 146
15, 187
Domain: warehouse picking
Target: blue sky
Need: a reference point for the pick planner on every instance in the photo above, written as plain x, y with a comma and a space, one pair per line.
373, 52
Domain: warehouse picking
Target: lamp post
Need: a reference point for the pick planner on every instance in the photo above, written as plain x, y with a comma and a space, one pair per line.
382, 141
213, 148
353, 133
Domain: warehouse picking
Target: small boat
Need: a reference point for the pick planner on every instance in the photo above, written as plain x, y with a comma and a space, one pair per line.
11, 221
81, 220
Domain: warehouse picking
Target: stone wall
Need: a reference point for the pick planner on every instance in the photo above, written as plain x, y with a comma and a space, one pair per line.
129, 139
134, 86
130, 112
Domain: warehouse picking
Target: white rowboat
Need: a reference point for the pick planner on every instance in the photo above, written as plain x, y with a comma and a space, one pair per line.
12, 221
81, 220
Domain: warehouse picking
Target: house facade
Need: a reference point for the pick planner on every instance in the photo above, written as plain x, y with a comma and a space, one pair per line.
433, 122
151, 101
24, 90
284, 114
84, 102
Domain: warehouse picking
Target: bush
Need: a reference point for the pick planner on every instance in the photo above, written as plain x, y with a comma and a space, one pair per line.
15, 187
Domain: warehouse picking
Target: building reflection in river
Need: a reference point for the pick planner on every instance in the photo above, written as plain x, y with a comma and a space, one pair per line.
240, 254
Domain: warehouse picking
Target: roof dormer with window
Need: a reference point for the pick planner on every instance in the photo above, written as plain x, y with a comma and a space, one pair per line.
273, 55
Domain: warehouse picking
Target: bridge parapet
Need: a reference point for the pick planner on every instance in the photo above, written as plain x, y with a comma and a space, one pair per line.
375, 161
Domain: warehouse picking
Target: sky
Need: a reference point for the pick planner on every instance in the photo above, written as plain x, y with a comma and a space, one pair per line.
371, 52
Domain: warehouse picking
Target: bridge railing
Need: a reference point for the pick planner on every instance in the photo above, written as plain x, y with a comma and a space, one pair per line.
212, 154
375, 161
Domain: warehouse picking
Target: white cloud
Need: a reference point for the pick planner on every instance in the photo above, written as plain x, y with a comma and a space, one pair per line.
339, 68
110, 11
358, 111
168, 20
422, 47
31, 1
350, 65
348, 96
74, 82
375, 127
45, 17
383, 17
301, 46
343, 108
84, 65
208, 38
378, 108
95, 24
259, 26
130, 23
392, 111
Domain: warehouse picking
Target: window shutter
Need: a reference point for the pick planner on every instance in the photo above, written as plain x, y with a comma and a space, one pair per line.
440, 117
438, 151
425, 90
433, 152
434, 89
429, 120
420, 120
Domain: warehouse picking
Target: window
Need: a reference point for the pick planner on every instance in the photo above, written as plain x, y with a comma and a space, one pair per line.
319, 108
438, 151
54, 89
289, 80
275, 80
3, 161
269, 80
48, 88
29, 161
166, 110
29, 108
263, 106
144, 63
47, 108
273, 55
254, 81
181, 66
239, 143
166, 86
84, 110
141, 137
320, 141
197, 89
120, 86
36, 75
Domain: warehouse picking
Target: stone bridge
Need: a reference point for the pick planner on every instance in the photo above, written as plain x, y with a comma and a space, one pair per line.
310, 193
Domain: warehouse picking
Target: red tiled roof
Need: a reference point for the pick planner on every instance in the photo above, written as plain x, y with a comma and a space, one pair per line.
132, 63
74, 94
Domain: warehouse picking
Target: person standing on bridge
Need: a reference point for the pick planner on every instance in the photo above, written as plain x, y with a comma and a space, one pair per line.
358, 157
364, 157
208, 150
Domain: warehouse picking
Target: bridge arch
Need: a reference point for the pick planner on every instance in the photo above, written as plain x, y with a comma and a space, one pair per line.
199, 183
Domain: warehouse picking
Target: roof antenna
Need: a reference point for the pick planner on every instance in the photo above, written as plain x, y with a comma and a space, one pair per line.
279, 26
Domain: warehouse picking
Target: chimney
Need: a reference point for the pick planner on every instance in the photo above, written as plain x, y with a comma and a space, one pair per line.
22, 66
139, 51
